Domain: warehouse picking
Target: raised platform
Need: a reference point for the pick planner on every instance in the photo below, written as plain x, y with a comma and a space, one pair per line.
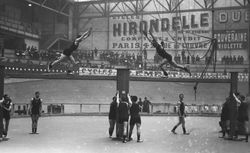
79, 134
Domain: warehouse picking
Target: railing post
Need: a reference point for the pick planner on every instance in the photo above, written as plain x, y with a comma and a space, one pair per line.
13, 110
62, 109
99, 108
80, 108
168, 109
165, 106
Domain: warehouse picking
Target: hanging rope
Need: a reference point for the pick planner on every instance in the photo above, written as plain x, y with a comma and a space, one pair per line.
212, 48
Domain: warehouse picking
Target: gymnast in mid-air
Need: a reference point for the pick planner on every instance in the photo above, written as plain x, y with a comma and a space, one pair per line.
167, 58
67, 53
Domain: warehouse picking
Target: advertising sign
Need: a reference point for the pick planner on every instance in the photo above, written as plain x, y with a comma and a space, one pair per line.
177, 31
231, 39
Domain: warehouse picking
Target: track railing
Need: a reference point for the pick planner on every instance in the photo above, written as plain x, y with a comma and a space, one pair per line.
22, 109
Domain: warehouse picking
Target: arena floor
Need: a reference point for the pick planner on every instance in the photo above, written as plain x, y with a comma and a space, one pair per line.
88, 134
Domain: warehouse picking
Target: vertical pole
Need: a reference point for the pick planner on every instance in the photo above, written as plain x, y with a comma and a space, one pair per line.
122, 85
1, 81
233, 104
122, 80
234, 82
248, 6
214, 41
1, 95
108, 18
71, 21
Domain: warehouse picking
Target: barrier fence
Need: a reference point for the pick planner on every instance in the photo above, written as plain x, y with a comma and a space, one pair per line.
22, 109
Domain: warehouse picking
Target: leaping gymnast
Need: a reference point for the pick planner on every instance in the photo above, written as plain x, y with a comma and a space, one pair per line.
167, 58
67, 53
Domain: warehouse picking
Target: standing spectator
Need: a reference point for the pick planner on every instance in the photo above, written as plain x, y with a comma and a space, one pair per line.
140, 103
1, 121
243, 115
35, 111
224, 118
239, 60
135, 119
179, 58
146, 104
188, 59
193, 59
197, 58
6, 108
230, 59
235, 103
96, 51
242, 60
181, 114
112, 116
234, 60
145, 53
123, 116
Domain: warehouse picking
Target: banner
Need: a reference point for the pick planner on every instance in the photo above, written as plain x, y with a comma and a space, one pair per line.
113, 72
185, 30
155, 74
231, 39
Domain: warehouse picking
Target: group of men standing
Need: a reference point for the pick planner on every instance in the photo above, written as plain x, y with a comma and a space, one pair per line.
124, 110
234, 117
6, 109
123, 107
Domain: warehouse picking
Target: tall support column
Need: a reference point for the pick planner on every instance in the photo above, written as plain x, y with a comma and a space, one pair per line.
70, 22
122, 80
233, 104
234, 82
121, 86
248, 6
1, 81
108, 19
1, 95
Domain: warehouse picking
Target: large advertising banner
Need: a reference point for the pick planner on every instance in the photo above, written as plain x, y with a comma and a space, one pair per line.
190, 30
231, 30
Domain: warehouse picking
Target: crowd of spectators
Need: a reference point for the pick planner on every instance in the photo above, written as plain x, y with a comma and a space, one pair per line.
181, 58
232, 60
30, 51
122, 58
130, 59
